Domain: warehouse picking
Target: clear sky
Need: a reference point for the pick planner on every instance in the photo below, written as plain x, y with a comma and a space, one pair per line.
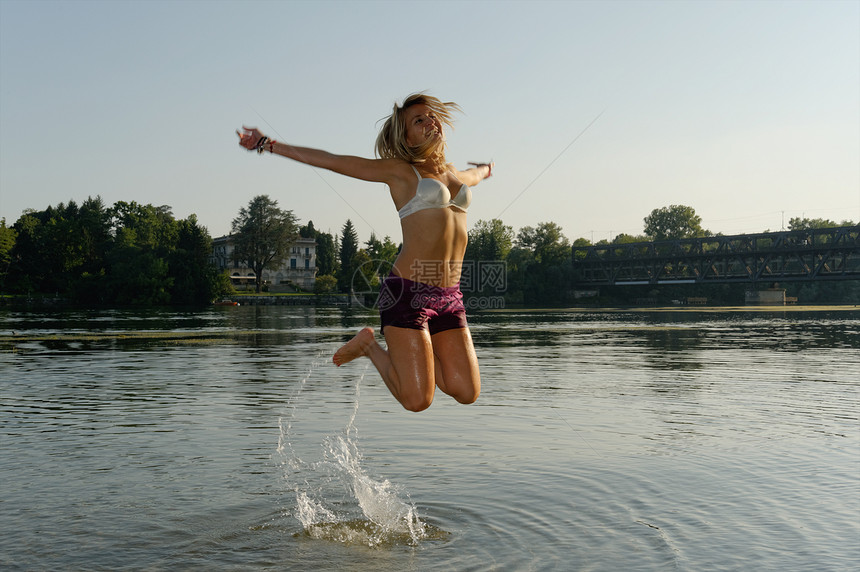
595, 113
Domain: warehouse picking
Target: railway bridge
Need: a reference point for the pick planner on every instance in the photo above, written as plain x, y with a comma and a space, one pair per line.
796, 255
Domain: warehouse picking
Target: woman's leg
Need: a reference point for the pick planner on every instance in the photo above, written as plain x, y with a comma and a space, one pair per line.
407, 367
456, 364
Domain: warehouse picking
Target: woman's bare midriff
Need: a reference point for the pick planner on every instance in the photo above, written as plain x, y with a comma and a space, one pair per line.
434, 243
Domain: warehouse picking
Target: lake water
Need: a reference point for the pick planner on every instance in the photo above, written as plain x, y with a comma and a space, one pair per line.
226, 440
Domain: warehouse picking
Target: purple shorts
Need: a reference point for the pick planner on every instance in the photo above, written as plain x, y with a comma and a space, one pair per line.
407, 304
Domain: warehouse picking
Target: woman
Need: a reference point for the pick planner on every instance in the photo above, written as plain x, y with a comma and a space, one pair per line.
421, 306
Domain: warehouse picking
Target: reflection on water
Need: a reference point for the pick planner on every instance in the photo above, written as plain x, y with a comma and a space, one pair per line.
225, 439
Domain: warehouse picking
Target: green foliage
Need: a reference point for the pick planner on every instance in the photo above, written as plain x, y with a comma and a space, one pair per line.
363, 273
57, 246
489, 245
625, 239
145, 237
145, 226
348, 250
798, 223
7, 242
140, 254
138, 277
673, 222
327, 251
325, 284
348, 242
308, 230
384, 251
127, 254
539, 266
263, 234
547, 242
194, 279
580, 243
826, 292
489, 241
327, 254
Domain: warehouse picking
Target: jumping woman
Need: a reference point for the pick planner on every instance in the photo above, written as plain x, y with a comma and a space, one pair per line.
421, 306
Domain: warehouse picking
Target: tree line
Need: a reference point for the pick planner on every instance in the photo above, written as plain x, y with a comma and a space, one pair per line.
137, 254
126, 254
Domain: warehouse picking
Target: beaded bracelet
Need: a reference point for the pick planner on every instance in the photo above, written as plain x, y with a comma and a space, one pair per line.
259, 146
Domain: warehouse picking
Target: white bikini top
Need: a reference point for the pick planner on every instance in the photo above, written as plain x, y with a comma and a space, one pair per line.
433, 194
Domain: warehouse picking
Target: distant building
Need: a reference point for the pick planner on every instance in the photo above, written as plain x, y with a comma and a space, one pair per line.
299, 269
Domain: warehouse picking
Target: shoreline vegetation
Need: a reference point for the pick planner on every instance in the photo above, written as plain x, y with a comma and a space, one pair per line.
134, 255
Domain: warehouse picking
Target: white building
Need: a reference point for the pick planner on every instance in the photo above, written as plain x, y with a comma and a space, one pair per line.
298, 270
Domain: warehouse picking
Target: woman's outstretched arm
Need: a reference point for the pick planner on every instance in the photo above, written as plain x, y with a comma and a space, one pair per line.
376, 170
476, 174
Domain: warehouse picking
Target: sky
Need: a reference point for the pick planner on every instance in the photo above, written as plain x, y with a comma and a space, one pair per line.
595, 113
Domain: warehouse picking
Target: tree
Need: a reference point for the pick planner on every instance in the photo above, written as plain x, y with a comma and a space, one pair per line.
152, 227
34, 265
7, 242
308, 230
348, 250
674, 222
547, 242
263, 234
348, 243
325, 284
138, 269
94, 221
798, 223
127, 254
580, 243
364, 272
625, 238
195, 280
540, 264
381, 251
327, 254
92, 232
485, 264
58, 249
489, 241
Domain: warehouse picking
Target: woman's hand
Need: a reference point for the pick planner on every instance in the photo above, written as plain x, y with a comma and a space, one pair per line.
489, 167
251, 138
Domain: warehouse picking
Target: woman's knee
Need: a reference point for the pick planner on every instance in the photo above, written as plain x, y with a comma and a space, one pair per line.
463, 391
467, 395
416, 403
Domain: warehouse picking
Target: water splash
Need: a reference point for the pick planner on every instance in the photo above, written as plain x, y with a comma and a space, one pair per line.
336, 499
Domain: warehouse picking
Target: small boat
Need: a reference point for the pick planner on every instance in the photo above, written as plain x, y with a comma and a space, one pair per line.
226, 303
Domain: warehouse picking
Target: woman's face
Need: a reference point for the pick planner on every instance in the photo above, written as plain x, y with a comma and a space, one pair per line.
421, 124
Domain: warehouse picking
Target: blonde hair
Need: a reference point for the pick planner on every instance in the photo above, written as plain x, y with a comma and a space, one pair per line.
391, 141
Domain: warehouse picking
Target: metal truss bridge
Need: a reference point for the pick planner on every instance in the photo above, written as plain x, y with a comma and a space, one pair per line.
799, 255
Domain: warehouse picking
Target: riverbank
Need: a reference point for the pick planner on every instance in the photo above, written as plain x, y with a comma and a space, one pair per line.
243, 299
294, 299
368, 301
688, 309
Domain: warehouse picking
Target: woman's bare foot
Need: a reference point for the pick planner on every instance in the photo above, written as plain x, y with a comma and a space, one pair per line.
354, 348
